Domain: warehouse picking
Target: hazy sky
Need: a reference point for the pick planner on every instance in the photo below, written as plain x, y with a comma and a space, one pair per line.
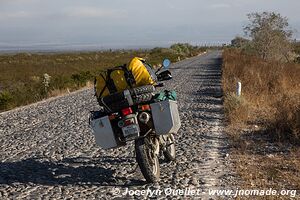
131, 22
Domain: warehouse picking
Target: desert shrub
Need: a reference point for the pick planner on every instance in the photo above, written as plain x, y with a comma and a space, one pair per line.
60, 82
286, 123
81, 78
296, 47
158, 54
236, 108
5, 99
185, 50
182, 48
239, 42
156, 50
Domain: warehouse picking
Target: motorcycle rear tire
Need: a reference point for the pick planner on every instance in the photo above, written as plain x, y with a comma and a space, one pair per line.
143, 98
117, 101
149, 166
137, 92
170, 151
142, 90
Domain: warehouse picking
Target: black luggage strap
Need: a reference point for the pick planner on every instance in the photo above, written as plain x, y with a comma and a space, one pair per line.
103, 87
109, 83
128, 76
95, 82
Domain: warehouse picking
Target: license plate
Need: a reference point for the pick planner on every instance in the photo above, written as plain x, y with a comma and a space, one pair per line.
131, 130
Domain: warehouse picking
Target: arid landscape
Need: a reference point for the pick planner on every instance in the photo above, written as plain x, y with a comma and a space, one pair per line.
22, 78
238, 102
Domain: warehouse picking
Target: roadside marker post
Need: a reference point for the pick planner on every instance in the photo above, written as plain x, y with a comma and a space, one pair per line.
238, 89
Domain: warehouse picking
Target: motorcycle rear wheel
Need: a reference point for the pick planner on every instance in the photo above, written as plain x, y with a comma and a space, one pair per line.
170, 151
147, 159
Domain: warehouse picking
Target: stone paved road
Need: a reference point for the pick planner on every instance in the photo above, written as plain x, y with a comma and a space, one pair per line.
48, 151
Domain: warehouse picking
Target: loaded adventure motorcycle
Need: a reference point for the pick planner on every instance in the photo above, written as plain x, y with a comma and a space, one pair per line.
133, 110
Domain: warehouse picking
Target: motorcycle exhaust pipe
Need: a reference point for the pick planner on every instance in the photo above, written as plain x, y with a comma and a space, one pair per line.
144, 117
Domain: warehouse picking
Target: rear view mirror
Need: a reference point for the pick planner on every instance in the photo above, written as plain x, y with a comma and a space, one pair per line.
166, 63
165, 75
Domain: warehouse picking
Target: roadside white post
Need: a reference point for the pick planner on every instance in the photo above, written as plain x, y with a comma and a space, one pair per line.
238, 89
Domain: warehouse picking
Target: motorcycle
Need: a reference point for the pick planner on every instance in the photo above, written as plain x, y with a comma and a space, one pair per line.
150, 121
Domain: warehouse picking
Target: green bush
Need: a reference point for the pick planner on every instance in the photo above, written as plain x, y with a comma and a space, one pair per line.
187, 50
182, 49
157, 55
81, 78
5, 99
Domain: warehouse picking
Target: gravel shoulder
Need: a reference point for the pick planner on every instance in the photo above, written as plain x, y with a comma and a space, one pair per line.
48, 150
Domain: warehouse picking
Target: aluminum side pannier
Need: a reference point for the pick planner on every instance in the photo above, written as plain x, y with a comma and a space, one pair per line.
103, 132
165, 117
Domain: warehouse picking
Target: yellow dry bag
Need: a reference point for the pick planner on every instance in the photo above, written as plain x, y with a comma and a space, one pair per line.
137, 73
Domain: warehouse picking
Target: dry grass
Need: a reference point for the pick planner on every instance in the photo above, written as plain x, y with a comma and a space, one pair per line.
236, 108
270, 93
264, 123
277, 171
282, 173
59, 92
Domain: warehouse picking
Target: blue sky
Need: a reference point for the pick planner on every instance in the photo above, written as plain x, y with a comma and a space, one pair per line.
132, 23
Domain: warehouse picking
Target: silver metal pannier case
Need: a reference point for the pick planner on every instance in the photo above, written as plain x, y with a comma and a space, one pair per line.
104, 133
165, 117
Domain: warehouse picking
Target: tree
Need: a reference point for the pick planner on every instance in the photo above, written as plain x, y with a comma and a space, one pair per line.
270, 34
182, 48
239, 42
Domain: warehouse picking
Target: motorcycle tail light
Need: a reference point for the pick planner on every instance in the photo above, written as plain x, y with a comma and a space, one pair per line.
145, 107
126, 111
